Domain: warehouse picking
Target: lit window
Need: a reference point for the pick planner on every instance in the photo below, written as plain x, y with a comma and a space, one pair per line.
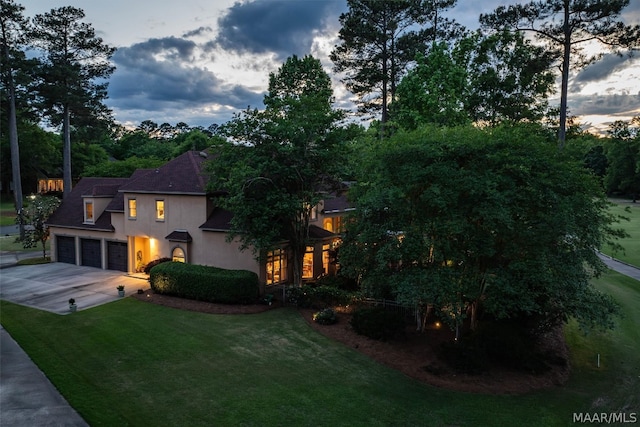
328, 224
276, 267
88, 211
159, 210
325, 258
133, 209
307, 264
178, 255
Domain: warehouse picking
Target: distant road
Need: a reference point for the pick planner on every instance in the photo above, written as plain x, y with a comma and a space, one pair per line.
7, 230
620, 267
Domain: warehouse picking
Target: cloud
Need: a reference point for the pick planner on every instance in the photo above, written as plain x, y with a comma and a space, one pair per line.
282, 26
622, 104
163, 77
601, 70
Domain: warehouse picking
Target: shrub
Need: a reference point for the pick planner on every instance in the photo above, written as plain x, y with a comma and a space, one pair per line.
205, 283
510, 344
338, 281
464, 357
155, 262
319, 297
325, 317
378, 323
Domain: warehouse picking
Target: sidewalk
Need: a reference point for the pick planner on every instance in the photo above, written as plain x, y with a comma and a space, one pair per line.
27, 397
11, 258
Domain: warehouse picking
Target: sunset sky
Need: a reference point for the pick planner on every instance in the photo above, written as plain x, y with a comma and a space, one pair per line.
199, 61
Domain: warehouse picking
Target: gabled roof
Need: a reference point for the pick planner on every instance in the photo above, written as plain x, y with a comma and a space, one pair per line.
182, 175
219, 220
337, 204
70, 214
182, 236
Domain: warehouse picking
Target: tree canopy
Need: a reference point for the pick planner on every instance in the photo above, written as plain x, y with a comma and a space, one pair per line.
568, 28
378, 40
281, 160
72, 73
472, 221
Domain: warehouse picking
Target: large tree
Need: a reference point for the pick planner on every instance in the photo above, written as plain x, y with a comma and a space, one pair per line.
471, 220
13, 26
281, 161
623, 158
486, 79
432, 92
72, 77
569, 29
509, 77
378, 39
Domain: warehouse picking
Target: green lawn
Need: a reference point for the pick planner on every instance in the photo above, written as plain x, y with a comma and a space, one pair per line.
631, 253
7, 212
8, 243
133, 363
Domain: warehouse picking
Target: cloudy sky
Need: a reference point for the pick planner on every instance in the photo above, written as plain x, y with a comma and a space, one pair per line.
199, 61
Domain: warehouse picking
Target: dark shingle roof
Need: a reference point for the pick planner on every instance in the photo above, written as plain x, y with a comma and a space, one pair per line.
71, 211
337, 204
179, 236
182, 175
318, 233
219, 220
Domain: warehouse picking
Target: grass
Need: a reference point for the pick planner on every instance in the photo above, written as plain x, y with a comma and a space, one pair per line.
7, 213
132, 363
9, 244
631, 253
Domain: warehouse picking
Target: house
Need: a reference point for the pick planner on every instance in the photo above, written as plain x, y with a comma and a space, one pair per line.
124, 223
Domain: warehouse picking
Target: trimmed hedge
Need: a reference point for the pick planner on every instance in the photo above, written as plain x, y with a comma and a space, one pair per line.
204, 283
148, 267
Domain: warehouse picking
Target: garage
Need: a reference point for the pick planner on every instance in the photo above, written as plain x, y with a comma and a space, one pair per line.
91, 254
117, 256
66, 249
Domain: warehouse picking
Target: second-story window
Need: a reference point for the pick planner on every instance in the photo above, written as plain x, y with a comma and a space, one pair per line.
133, 209
88, 211
159, 210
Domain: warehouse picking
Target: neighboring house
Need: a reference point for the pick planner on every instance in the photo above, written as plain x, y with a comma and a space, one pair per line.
124, 223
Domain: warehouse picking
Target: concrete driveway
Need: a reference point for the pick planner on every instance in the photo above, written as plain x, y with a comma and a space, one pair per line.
49, 286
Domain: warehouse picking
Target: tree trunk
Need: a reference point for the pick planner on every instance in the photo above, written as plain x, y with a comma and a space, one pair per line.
13, 143
473, 315
15, 155
562, 130
66, 153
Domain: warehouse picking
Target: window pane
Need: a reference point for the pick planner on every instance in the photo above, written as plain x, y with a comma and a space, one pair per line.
276, 267
325, 259
160, 209
307, 264
133, 208
178, 255
88, 211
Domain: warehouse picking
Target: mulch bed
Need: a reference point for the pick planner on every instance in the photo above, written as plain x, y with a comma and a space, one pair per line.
415, 355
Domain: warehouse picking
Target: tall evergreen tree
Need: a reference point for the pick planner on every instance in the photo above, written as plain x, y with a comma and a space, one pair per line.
378, 39
567, 27
71, 78
13, 26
